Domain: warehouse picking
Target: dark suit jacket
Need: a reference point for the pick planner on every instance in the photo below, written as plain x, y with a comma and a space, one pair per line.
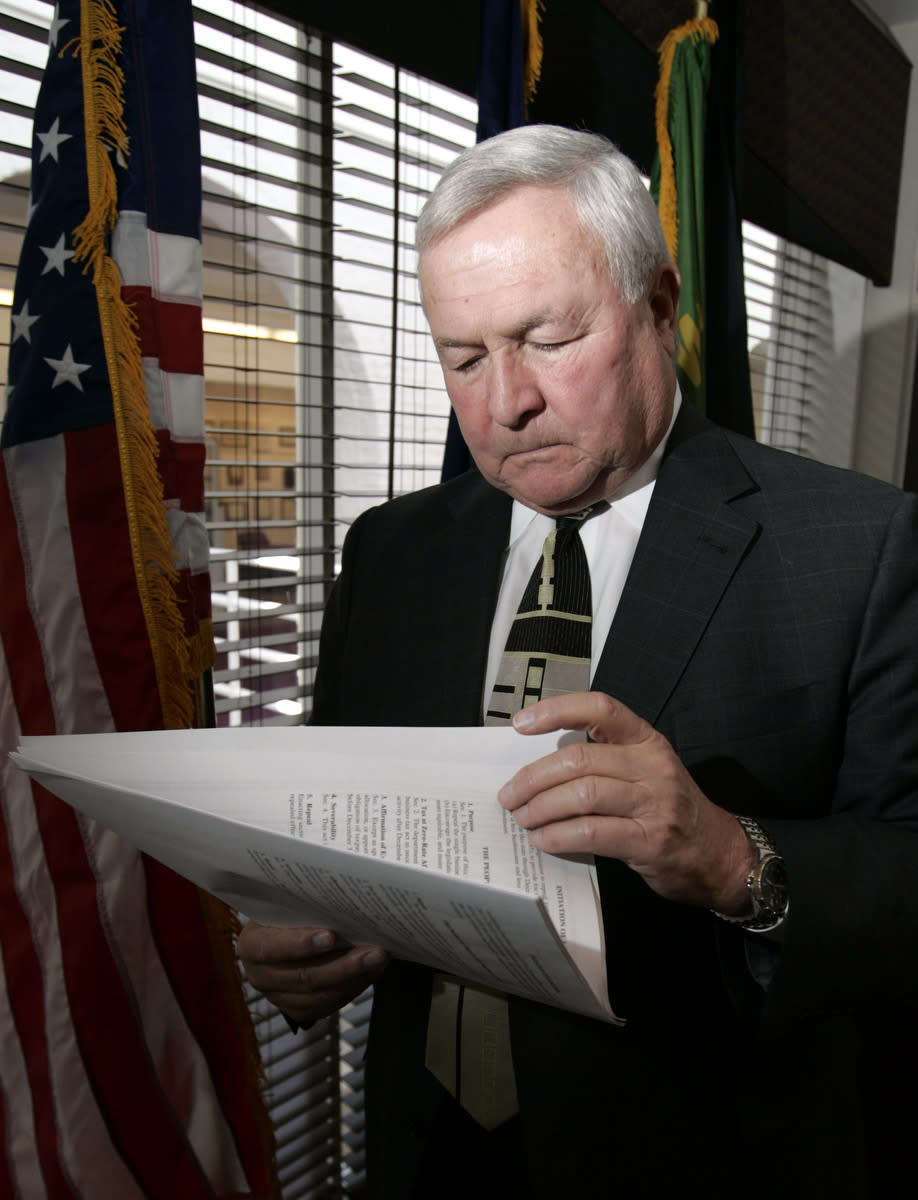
768, 629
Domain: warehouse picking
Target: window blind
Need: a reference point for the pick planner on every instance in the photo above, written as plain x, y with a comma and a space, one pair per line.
264, 108
23, 50
804, 315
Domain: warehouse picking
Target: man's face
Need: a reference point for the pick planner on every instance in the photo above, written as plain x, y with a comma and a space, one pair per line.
561, 389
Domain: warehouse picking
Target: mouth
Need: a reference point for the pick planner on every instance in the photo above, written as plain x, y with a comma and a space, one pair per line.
535, 451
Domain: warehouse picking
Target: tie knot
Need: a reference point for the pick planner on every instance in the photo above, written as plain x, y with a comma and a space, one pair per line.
575, 520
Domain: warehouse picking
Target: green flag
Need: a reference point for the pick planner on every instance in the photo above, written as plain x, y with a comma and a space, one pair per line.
677, 184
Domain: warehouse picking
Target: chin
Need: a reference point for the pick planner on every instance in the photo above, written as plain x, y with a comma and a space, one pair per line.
550, 498
560, 503
556, 506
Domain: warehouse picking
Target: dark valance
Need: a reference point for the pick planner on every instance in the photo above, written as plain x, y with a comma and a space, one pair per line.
826, 92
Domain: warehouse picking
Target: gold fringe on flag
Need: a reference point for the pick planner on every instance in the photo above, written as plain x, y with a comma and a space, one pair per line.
701, 27
178, 662
530, 13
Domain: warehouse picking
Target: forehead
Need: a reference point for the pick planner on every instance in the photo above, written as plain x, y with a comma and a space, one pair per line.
529, 238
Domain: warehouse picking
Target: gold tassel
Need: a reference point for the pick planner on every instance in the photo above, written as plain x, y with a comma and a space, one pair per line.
530, 13
667, 203
177, 663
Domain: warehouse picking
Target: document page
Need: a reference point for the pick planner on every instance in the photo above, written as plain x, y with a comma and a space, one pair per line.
390, 836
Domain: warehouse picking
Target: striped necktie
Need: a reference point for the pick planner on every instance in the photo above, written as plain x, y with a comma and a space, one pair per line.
549, 645
548, 653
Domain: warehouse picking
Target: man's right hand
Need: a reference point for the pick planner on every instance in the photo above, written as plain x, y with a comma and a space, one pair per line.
305, 970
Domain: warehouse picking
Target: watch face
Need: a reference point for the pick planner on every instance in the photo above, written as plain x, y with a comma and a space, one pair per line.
771, 885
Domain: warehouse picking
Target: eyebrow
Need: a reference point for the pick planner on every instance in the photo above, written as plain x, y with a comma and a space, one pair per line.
516, 334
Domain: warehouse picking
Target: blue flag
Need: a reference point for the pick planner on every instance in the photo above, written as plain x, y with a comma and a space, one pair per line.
501, 105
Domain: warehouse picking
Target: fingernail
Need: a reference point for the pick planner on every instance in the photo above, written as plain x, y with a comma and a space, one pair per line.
373, 958
523, 719
323, 940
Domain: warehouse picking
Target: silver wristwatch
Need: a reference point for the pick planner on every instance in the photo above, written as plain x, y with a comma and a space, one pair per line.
766, 883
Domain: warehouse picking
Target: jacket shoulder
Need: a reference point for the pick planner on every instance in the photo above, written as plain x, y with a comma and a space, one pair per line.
467, 497
779, 478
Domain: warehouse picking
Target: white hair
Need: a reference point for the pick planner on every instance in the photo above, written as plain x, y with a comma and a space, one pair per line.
604, 185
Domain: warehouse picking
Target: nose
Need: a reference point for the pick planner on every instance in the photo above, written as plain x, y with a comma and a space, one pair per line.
513, 391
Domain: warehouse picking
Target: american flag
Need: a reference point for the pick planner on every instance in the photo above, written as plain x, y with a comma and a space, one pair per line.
126, 1055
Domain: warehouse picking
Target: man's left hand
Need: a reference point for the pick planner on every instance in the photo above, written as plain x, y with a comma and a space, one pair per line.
627, 795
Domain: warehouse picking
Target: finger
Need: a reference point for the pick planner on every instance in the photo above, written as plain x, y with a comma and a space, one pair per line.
322, 983
268, 944
601, 717
581, 796
577, 762
606, 837
339, 971
316, 972
326, 992
608, 818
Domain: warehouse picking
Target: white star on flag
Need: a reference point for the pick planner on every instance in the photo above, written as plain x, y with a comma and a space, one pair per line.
57, 25
51, 140
23, 322
67, 371
56, 255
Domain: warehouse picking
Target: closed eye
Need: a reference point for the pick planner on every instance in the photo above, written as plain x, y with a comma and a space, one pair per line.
464, 367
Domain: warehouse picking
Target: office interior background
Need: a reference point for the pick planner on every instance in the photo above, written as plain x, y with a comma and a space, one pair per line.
323, 394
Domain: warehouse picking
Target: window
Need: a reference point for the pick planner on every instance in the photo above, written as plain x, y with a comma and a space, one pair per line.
323, 392
804, 325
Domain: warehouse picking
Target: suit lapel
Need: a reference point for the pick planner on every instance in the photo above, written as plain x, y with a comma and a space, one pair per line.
690, 548
462, 561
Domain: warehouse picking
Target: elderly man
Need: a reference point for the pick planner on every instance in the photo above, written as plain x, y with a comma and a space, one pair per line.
750, 783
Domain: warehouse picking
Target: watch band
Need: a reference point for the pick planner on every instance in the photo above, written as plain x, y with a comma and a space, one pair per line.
766, 883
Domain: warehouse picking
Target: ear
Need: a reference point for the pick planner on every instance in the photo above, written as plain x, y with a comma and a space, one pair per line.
663, 298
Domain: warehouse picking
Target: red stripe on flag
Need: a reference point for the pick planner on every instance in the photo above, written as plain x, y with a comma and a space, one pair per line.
168, 331
108, 586
181, 465
21, 962
114, 1053
193, 595
25, 985
175, 905
199, 587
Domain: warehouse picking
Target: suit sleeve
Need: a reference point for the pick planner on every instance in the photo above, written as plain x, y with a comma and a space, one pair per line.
326, 693
852, 931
